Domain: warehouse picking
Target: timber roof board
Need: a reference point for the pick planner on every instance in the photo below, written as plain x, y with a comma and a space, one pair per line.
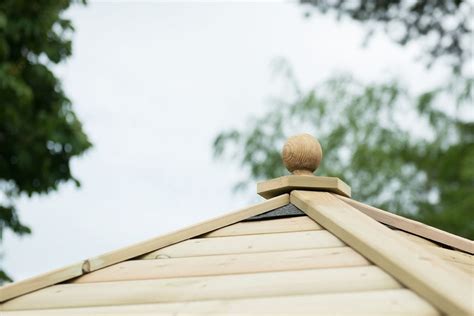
198, 230
310, 249
92, 264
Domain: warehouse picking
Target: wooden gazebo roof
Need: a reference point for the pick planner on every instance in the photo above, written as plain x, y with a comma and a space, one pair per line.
308, 249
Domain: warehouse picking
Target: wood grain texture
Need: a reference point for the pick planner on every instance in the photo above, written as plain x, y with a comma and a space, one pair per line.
185, 233
412, 226
451, 255
226, 264
458, 259
280, 225
417, 239
207, 288
302, 154
247, 244
286, 184
386, 302
444, 253
442, 285
18, 288
63, 274
469, 269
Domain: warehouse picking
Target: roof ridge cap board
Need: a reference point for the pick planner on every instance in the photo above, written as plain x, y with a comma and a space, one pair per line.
447, 288
286, 184
412, 226
63, 274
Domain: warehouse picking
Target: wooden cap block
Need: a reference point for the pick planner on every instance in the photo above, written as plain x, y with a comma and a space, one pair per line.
286, 184
302, 154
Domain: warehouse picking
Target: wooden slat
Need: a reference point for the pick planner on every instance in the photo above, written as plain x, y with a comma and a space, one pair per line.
441, 284
247, 244
227, 264
12, 290
412, 226
139, 249
451, 255
280, 225
207, 288
185, 233
443, 253
419, 240
466, 268
460, 260
387, 302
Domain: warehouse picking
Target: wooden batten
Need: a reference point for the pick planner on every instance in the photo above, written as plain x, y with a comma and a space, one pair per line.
411, 226
280, 225
417, 239
247, 244
185, 233
19, 288
451, 255
60, 275
384, 302
354, 279
459, 259
226, 264
444, 286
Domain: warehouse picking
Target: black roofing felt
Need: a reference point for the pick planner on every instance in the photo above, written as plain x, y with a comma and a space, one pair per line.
288, 210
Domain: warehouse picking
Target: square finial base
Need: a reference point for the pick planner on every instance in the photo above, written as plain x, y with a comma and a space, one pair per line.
286, 184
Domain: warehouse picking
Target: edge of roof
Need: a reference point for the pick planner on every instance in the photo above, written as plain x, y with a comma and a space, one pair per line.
16, 289
445, 287
412, 226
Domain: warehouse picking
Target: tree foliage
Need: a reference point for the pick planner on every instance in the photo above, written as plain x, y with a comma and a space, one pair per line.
370, 133
39, 132
367, 138
443, 26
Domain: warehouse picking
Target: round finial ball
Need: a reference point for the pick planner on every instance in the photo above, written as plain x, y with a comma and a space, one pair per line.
302, 154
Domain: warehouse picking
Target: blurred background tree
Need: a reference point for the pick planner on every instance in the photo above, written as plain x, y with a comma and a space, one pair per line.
443, 27
39, 132
410, 154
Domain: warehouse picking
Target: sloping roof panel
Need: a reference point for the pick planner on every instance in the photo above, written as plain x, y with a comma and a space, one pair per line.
333, 255
261, 271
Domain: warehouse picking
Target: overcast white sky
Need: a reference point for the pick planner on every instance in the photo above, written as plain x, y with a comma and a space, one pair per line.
153, 84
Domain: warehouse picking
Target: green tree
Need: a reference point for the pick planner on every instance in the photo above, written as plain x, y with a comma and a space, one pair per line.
366, 140
367, 130
39, 132
443, 27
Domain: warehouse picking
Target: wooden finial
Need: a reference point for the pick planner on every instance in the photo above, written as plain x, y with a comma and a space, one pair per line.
302, 154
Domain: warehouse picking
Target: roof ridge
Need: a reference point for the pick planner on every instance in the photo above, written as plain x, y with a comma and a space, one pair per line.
446, 287
412, 226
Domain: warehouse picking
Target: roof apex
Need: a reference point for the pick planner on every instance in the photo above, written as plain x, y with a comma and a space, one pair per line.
302, 155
